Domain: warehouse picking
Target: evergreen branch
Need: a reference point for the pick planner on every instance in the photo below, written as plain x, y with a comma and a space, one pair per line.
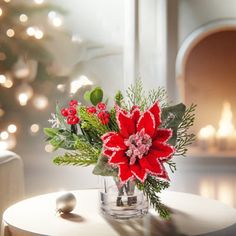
75, 158
151, 187
172, 166
159, 94
85, 148
183, 138
113, 123
136, 96
84, 154
91, 122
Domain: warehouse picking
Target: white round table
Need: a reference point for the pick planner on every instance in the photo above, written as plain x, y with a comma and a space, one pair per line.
192, 215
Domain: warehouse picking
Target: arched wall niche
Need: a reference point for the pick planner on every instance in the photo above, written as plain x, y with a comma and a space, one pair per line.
206, 70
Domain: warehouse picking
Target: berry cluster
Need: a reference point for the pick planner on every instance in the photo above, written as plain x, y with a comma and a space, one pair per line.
71, 113
101, 112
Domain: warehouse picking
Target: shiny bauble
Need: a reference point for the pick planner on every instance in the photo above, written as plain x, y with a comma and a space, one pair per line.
65, 203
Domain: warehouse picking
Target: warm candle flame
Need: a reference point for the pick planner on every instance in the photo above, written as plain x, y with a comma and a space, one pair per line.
226, 127
207, 132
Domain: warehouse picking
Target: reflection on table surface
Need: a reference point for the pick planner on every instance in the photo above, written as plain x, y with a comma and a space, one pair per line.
150, 226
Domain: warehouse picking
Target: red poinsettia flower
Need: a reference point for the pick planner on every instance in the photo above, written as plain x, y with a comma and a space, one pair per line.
140, 147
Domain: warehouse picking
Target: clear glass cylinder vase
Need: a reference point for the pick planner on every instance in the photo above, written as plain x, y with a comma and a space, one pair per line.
122, 201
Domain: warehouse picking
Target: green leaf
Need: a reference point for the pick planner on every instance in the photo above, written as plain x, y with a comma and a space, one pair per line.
96, 96
171, 118
51, 132
103, 168
56, 142
87, 96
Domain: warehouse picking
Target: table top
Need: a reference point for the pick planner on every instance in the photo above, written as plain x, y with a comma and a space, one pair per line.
192, 215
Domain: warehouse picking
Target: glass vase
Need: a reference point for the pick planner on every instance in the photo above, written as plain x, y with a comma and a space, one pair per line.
122, 201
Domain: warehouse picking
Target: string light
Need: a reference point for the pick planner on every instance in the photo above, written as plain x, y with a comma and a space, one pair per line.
0, 11
34, 128
23, 99
76, 84
34, 31
7, 0
38, 34
10, 33
23, 18
12, 128
40, 102
24, 93
2, 79
30, 31
4, 135
39, 1
61, 87
8, 83
55, 19
49, 148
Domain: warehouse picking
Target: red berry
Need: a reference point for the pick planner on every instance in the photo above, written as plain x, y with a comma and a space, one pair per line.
101, 106
64, 112
72, 111
91, 110
104, 117
73, 103
72, 120
75, 120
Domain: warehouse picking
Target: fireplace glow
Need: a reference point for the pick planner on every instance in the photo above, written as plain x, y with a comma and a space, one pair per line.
207, 132
226, 127
224, 138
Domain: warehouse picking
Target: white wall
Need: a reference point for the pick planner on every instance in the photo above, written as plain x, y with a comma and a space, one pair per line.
194, 13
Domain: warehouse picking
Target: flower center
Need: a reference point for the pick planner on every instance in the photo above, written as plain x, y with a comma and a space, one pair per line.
138, 145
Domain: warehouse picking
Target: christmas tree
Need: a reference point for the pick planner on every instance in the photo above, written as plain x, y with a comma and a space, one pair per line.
28, 29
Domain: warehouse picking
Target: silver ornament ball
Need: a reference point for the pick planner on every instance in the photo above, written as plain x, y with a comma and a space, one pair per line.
65, 203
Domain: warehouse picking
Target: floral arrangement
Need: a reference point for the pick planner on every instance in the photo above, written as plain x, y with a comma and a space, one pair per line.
135, 139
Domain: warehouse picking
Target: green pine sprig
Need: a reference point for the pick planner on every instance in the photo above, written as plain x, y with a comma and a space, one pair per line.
184, 139
151, 187
92, 122
84, 154
75, 158
137, 96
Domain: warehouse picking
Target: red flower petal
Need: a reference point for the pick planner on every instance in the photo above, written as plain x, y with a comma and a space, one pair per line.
162, 135
147, 122
107, 135
114, 143
164, 175
162, 151
125, 123
135, 115
138, 172
156, 111
107, 153
118, 158
124, 172
156, 168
